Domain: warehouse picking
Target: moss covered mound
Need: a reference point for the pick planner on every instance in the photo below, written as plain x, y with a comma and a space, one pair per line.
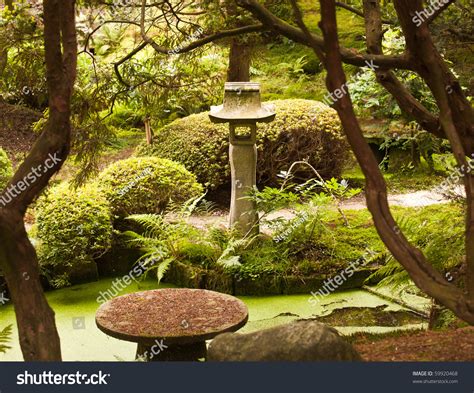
146, 185
73, 227
303, 130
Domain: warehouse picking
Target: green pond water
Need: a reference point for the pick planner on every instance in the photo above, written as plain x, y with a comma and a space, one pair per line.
81, 340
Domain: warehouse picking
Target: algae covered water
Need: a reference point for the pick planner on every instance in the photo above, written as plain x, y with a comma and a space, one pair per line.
75, 307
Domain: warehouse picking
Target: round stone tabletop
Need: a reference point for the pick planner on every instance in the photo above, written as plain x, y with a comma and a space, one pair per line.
177, 315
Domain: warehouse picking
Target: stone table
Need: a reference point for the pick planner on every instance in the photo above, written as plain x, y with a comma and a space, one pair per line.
172, 323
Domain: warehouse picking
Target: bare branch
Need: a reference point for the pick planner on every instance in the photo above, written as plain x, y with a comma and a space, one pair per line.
420, 270
350, 56
359, 12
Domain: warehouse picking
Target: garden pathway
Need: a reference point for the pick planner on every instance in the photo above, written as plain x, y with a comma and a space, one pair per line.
413, 199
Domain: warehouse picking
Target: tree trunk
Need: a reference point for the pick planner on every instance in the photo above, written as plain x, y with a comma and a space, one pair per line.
3, 51
239, 62
148, 131
39, 338
239, 53
420, 270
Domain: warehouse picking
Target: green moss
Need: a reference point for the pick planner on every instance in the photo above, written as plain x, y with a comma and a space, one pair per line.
402, 181
6, 169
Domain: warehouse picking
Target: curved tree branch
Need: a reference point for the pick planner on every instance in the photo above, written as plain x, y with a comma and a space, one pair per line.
359, 12
349, 56
420, 270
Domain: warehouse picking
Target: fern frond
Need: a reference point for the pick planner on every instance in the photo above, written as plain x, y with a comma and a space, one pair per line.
153, 224
5, 337
163, 268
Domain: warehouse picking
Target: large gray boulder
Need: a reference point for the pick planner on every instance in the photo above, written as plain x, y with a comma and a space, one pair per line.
303, 340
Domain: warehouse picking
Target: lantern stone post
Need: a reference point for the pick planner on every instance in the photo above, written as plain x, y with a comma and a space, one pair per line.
242, 109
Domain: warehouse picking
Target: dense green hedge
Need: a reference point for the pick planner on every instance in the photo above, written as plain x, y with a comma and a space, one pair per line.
6, 169
303, 129
73, 227
146, 185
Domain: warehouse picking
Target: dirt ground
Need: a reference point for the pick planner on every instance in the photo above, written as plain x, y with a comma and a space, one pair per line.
16, 135
446, 345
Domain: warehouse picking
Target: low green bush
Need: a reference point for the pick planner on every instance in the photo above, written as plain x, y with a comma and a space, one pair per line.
6, 169
73, 227
142, 185
303, 130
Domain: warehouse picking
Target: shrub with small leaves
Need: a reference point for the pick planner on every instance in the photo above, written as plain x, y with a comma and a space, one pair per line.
146, 185
73, 227
6, 169
302, 130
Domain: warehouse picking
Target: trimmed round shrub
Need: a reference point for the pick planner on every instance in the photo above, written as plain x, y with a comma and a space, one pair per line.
302, 130
6, 169
142, 185
73, 227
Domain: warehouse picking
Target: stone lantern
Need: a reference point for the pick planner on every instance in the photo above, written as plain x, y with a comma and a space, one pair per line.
242, 109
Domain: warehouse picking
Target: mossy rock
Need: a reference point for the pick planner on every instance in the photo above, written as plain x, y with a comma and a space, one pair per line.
297, 284
219, 281
185, 276
303, 130
267, 284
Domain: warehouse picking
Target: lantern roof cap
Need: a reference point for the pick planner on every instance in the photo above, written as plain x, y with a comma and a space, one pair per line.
242, 105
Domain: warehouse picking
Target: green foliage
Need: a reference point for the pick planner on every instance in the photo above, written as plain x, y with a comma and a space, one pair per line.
163, 243
6, 169
271, 199
5, 338
146, 185
302, 130
23, 79
370, 97
317, 240
439, 233
73, 228
307, 243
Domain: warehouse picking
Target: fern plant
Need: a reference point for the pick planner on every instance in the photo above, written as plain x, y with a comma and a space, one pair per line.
441, 241
156, 242
5, 338
230, 256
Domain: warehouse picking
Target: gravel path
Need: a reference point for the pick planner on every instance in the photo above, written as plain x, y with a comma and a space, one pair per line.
413, 199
